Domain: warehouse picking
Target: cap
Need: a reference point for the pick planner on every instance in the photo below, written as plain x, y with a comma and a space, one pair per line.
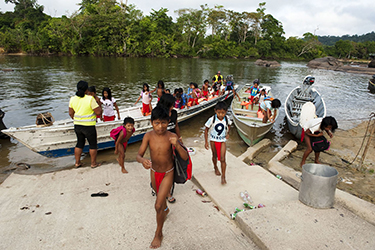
256, 81
218, 72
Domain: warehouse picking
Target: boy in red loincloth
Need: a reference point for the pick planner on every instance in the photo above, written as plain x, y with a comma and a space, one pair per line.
160, 142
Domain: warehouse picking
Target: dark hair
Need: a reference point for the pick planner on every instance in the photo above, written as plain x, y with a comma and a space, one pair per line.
329, 121
176, 91
181, 90
256, 81
195, 85
109, 93
275, 103
92, 89
191, 83
205, 81
166, 101
213, 78
82, 86
148, 88
161, 83
160, 113
128, 120
221, 105
167, 90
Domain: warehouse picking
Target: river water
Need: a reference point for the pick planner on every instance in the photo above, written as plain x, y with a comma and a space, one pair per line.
41, 84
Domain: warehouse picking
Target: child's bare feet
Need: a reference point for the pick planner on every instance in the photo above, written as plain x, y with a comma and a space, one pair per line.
156, 242
223, 180
217, 172
123, 170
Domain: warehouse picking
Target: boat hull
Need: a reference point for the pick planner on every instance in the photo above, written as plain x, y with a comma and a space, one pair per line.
60, 139
371, 86
291, 114
250, 128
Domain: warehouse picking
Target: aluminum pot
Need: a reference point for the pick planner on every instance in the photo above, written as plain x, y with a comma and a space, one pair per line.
318, 185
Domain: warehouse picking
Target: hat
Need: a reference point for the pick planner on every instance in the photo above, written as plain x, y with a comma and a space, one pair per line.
256, 81
218, 72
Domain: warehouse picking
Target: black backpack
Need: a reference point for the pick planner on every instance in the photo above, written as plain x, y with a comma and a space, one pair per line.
319, 143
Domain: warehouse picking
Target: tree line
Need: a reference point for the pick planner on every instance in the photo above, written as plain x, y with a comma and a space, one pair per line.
110, 28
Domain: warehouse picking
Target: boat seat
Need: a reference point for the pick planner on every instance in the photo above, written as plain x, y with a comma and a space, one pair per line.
255, 119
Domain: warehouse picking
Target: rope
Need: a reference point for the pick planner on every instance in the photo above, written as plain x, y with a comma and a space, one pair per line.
372, 115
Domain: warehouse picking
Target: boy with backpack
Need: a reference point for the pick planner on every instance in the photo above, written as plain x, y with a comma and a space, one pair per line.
160, 142
218, 135
121, 135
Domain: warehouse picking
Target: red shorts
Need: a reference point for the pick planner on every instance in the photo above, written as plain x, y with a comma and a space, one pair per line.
218, 149
125, 144
252, 98
217, 92
205, 93
146, 108
108, 118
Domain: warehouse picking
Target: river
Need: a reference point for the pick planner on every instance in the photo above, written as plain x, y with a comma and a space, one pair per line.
41, 84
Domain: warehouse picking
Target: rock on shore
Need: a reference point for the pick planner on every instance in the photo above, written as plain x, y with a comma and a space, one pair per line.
265, 63
331, 63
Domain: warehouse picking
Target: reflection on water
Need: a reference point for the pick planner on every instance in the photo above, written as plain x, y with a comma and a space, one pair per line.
41, 84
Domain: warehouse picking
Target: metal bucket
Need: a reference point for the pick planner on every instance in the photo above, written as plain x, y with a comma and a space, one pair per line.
318, 185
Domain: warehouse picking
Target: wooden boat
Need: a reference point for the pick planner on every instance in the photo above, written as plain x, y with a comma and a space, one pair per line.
298, 105
371, 84
60, 139
250, 128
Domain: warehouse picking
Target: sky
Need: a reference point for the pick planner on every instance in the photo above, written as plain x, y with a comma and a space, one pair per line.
320, 17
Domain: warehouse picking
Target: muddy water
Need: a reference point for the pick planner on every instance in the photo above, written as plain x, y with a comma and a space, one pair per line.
41, 84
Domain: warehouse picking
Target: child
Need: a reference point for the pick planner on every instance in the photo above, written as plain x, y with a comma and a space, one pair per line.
92, 92
160, 89
108, 102
160, 142
146, 100
253, 92
216, 86
230, 87
167, 91
121, 141
184, 97
315, 128
178, 103
267, 106
219, 134
205, 88
196, 94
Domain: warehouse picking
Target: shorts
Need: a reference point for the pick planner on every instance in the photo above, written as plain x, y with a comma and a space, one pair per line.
86, 132
228, 88
125, 144
217, 92
252, 98
145, 108
205, 93
108, 118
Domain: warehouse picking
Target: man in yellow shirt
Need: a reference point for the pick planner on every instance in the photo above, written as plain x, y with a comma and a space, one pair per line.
83, 110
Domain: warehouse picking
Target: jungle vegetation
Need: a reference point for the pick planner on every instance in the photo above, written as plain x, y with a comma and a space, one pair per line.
110, 28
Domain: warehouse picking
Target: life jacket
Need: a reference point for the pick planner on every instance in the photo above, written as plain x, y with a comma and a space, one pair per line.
83, 113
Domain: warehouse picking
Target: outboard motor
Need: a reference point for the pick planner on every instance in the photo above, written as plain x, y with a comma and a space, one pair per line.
305, 93
2, 126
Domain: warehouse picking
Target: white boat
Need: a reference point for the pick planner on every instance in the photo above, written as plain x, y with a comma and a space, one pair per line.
299, 97
250, 128
60, 139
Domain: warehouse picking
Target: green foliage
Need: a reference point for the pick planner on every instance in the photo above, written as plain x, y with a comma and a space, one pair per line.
110, 28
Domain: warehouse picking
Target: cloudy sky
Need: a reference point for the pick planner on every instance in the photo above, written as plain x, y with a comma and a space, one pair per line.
324, 17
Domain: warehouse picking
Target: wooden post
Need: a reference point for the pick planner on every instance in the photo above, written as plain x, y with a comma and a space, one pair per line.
372, 129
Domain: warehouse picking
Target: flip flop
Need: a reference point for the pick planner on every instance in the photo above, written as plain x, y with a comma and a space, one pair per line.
153, 193
171, 199
78, 166
100, 194
97, 165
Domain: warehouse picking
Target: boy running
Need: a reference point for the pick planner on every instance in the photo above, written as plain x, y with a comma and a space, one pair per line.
219, 134
122, 141
160, 142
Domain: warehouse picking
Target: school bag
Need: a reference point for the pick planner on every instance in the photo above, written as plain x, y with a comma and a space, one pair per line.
319, 144
116, 131
183, 168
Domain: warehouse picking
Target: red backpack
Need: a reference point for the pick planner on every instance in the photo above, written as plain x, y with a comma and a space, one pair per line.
116, 131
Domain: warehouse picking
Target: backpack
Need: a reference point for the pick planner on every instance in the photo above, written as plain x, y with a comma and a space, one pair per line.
319, 143
183, 168
116, 131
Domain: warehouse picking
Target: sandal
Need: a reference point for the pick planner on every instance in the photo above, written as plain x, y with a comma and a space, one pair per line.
171, 199
100, 194
153, 193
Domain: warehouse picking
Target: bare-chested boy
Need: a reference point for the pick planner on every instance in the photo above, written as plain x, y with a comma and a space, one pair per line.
160, 142
205, 88
122, 141
160, 89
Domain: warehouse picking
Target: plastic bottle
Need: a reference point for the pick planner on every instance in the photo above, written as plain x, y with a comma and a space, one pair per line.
200, 192
248, 197
247, 205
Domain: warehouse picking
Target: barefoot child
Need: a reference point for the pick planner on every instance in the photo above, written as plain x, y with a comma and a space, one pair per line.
205, 88
160, 89
146, 100
108, 103
121, 138
160, 142
218, 136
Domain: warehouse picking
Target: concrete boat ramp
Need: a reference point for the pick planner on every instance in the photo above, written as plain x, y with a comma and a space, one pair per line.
56, 211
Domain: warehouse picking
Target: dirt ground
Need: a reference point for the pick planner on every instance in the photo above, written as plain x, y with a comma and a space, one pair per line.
359, 181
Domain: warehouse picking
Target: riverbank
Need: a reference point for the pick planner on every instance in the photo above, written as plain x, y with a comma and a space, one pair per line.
56, 210
345, 145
